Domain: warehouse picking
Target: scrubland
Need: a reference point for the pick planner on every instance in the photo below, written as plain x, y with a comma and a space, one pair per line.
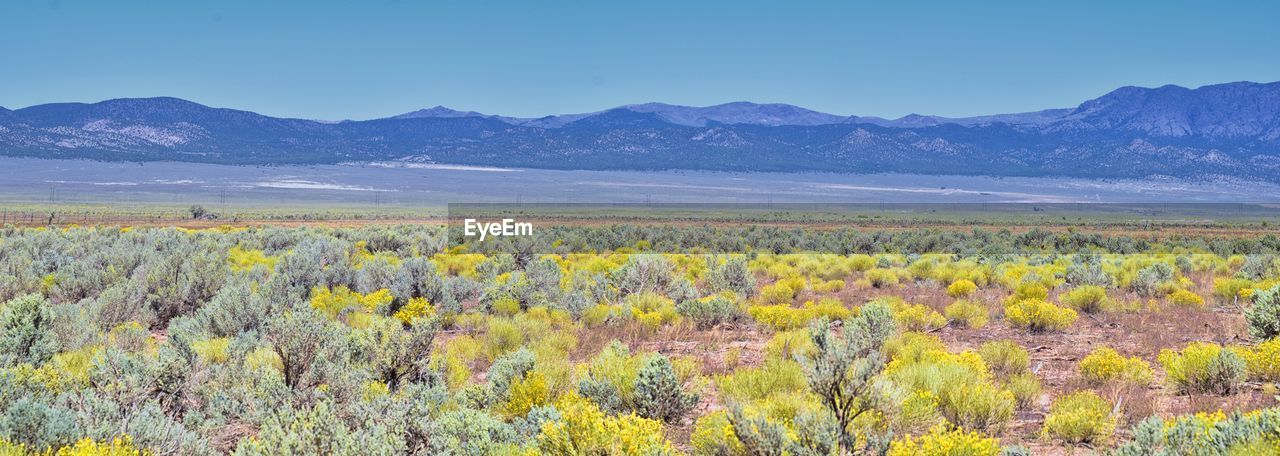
623, 339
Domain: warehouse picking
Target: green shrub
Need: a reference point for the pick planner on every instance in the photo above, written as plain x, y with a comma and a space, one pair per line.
709, 312
882, 278
26, 334
1203, 368
777, 293
775, 376
1087, 298
659, 394
1150, 279
1204, 434
1080, 417
713, 436
977, 406
1025, 388
967, 314
733, 275
1230, 290
1106, 365
1264, 314
1036, 315
1004, 358
789, 344
843, 366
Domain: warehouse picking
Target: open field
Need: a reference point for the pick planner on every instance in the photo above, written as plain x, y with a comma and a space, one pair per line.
406, 186
364, 335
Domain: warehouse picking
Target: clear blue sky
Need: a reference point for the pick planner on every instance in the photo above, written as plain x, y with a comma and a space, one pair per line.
366, 59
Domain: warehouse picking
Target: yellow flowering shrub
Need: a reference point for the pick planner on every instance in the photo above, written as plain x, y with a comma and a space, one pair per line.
1106, 365
961, 288
651, 309
789, 344
1230, 289
775, 376
881, 278
334, 302
1037, 315
119, 446
918, 317
1087, 298
212, 351
1262, 362
784, 317
1080, 417
263, 357
527, 393
777, 293
413, 310
967, 314
241, 259
829, 286
1184, 298
584, 429
713, 435
942, 442
1203, 367
1005, 358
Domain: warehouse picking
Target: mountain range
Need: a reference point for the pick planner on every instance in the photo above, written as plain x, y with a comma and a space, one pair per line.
1212, 131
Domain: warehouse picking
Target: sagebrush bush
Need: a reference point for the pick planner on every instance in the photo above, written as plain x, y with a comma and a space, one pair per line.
1203, 368
26, 334
967, 314
1106, 365
843, 366
732, 275
1080, 417
711, 311
1205, 433
1087, 298
1150, 279
659, 394
1264, 314
1037, 315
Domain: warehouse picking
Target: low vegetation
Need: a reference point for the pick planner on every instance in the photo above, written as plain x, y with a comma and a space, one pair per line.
391, 340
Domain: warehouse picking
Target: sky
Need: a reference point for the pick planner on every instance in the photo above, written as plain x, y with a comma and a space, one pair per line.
367, 59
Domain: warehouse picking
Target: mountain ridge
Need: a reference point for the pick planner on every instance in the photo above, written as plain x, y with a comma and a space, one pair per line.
1219, 129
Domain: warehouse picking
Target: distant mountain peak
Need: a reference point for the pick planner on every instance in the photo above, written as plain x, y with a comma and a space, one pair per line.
738, 112
1230, 129
437, 111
